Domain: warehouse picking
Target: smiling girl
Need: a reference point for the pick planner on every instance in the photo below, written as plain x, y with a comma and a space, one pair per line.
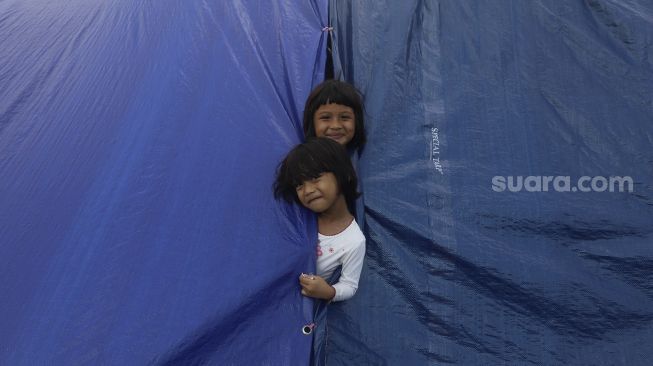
334, 110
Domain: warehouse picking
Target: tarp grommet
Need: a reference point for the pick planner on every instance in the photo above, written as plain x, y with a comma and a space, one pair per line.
308, 328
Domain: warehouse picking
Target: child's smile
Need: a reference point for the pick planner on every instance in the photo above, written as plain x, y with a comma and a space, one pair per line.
335, 121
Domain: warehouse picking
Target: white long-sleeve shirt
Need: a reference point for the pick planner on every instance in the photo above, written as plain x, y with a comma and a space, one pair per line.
346, 248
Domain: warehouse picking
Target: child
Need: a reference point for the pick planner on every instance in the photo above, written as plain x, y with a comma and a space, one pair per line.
318, 174
334, 109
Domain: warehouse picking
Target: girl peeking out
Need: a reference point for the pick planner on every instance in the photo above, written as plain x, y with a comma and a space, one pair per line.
334, 109
318, 174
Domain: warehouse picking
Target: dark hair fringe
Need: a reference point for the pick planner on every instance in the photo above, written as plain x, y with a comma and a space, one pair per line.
307, 161
338, 92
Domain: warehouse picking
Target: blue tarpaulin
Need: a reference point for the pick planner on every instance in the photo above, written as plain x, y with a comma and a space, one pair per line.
138, 142
460, 92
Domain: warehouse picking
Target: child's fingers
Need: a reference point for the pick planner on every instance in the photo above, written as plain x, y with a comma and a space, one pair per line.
306, 279
307, 283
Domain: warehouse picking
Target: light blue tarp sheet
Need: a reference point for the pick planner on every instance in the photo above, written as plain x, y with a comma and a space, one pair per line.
138, 141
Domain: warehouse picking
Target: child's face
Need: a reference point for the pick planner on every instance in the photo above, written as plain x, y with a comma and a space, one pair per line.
319, 194
335, 121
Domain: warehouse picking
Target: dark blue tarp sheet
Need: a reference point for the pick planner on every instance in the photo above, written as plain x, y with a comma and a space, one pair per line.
138, 141
457, 272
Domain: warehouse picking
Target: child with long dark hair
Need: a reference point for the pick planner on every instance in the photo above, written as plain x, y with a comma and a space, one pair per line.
318, 175
334, 110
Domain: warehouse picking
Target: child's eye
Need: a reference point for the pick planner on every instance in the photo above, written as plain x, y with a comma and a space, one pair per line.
299, 187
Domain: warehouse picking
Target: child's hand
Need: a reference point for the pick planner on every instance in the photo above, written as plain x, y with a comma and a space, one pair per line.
316, 287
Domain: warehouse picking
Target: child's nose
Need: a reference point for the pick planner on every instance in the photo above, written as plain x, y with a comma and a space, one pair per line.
309, 188
336, 124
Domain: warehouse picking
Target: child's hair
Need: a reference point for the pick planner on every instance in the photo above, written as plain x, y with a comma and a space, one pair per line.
338, 92
307, 161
